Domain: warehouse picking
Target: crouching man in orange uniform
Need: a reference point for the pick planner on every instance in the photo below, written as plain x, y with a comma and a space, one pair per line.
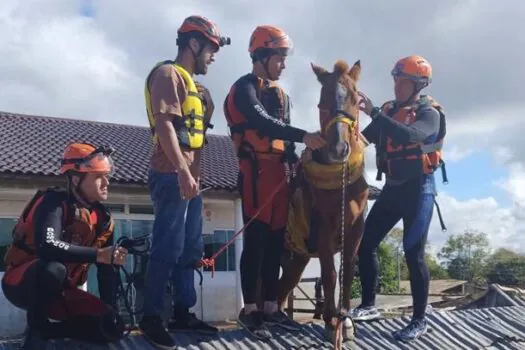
60, 233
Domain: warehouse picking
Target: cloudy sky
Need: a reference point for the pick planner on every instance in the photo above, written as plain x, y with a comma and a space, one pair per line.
89, 59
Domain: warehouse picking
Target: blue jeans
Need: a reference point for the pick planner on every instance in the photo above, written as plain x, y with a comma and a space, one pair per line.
176, 247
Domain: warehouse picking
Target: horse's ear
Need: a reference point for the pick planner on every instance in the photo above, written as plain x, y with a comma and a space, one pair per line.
320, 72
355, 72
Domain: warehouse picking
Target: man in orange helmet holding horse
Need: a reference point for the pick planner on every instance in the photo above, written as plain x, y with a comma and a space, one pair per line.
408, 133
58, 236
179, 111
257, 112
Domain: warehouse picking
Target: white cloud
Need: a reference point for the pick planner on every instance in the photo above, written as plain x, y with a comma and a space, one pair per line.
502, 155
504, 225
62, 64
455, 153
482, 214
515, 183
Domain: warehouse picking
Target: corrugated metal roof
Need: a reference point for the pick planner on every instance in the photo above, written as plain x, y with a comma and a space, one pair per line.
516, 294
490, 328
496, 296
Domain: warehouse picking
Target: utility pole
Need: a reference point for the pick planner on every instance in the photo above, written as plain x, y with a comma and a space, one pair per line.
398, 268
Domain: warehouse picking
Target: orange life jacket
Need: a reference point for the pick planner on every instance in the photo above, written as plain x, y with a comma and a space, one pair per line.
396, 160
79, 227
249, 140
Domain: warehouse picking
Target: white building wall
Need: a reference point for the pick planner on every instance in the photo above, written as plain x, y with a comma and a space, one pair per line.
11, 208
219, 298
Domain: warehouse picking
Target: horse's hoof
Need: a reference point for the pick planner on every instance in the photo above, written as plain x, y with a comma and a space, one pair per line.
349, 329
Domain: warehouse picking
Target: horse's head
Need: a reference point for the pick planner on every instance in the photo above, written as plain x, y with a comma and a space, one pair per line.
339, 110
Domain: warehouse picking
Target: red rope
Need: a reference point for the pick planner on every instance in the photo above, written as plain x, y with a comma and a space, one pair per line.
210, 262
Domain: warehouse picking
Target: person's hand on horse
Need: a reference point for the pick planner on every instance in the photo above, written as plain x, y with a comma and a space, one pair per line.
314, 140
365, 104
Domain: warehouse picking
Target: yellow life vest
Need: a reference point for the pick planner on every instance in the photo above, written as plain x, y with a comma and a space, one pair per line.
190, 128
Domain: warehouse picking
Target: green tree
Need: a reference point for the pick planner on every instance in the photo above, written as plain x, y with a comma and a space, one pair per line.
356, 287
436, 271
387, 272
506, 267
465, 256
388, 268
395, 239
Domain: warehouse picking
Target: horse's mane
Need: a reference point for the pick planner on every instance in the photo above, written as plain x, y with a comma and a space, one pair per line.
341, 67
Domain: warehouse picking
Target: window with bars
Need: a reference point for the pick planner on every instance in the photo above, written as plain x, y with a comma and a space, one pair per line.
130, 228
6, 226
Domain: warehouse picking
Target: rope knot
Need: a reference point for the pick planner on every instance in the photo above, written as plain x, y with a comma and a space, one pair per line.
209, 263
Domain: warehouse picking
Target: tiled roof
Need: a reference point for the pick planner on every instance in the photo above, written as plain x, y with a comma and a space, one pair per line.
33, 145
491, 328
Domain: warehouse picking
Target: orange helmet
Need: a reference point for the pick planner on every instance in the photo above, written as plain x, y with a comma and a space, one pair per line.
415, 68
86, 158
268, 40
202, 25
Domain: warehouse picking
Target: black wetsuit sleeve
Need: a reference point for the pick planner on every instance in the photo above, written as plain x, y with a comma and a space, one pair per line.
247, 103
371, 132
426, 125
107, 280
48, 231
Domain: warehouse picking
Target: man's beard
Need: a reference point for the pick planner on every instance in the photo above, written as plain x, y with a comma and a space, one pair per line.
200, 67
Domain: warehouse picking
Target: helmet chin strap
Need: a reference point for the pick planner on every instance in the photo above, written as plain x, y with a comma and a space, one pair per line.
417, 90
265, 62
196, 55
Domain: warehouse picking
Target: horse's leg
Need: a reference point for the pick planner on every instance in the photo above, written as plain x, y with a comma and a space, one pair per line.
328, 277
293, 266
352, 241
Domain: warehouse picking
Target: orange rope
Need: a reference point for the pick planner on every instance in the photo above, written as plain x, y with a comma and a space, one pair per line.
210, 262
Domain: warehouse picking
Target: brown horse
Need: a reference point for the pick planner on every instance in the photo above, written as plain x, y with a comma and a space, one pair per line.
314, 223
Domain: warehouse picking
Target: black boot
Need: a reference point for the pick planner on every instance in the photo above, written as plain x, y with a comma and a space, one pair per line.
154, 331
185, 321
